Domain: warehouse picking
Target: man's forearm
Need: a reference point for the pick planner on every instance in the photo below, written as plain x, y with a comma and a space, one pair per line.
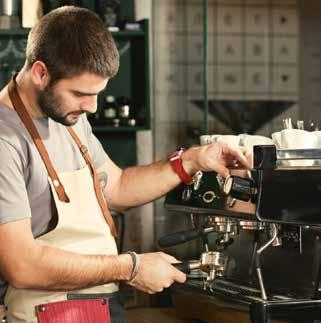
140, 185
55, 269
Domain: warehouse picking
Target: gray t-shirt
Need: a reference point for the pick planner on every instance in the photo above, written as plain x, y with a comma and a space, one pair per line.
24, 187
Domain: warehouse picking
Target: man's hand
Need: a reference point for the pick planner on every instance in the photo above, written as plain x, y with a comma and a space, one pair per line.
214, 157
155, 273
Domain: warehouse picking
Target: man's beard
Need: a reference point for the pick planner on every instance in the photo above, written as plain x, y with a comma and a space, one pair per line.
52, 106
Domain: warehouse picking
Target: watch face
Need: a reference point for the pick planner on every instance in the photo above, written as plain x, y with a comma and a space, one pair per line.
228, 185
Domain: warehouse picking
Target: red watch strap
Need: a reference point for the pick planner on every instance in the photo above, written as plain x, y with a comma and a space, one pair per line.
177, 165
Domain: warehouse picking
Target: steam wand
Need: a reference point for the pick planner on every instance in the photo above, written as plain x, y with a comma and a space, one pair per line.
274, 231
254, 250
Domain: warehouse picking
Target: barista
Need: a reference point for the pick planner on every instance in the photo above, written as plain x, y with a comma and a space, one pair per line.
56, 233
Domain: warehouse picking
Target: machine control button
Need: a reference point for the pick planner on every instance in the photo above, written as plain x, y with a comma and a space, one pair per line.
187, 194
209, 196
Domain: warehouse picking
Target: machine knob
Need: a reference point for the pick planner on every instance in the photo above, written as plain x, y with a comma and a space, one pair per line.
187, 194
240, 188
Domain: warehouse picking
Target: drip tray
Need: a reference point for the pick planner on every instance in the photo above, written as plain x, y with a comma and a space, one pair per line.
220, 286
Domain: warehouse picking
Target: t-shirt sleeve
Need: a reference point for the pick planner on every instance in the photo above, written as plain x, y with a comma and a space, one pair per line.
96, 149
14, 202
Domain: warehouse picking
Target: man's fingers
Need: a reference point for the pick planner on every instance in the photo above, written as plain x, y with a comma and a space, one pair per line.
239, 156
169, 258
222, 170
180, 277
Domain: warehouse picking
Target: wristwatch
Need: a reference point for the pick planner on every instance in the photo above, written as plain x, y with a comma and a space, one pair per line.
177, 165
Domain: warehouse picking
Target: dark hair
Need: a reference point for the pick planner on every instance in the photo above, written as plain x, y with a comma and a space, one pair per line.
70, 41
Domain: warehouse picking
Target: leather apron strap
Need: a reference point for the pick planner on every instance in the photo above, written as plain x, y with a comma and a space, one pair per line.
27, 121
62, 195
84, 151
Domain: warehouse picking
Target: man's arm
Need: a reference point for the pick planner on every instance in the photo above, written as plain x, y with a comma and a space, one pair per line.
25, 263
138, 185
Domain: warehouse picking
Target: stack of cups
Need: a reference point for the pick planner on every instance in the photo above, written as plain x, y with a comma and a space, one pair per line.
297, 139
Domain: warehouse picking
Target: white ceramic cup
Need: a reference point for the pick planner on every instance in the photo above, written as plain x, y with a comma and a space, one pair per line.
231, 140
205, 140
318, 135
298, 139
276, 137
214, 138
250, 141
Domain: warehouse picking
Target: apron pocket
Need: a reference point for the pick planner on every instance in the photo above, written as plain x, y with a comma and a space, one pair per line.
75, 311
116, 304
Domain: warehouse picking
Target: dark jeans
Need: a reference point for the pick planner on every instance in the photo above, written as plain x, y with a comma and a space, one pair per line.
116, 304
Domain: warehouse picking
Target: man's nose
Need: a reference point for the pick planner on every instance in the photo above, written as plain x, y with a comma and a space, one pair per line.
89, 105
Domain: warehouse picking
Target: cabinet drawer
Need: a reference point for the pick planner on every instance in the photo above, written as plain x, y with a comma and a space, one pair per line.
172, 48
195, 48
257, 49
284, 80
230, 49
285, 21
229, 19
195, 18
285, 50
195, 79
257, 79
257, 20
170, 77
168, 16
230, 79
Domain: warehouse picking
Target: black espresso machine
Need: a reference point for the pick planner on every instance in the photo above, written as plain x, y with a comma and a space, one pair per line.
261, 231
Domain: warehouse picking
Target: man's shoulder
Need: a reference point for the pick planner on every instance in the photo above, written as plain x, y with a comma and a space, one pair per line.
12, 131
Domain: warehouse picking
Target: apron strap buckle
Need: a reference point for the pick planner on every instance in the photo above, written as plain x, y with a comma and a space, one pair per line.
83, 149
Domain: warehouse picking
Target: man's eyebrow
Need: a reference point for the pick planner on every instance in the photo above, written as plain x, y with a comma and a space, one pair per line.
80, 93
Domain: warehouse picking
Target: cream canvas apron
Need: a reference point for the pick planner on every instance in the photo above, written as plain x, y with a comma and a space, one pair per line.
82, 228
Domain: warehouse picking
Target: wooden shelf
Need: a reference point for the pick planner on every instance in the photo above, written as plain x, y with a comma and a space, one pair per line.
102, 129
12, 32
116, 34
127, 33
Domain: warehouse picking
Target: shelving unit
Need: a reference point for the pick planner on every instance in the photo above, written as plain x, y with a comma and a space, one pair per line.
132, 80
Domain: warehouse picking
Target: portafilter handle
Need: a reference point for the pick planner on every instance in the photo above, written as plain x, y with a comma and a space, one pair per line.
186, 267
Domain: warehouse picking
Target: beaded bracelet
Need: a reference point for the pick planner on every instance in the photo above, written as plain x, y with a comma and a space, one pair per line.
136, 260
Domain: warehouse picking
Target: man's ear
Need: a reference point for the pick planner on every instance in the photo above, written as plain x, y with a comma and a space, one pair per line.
40, 75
